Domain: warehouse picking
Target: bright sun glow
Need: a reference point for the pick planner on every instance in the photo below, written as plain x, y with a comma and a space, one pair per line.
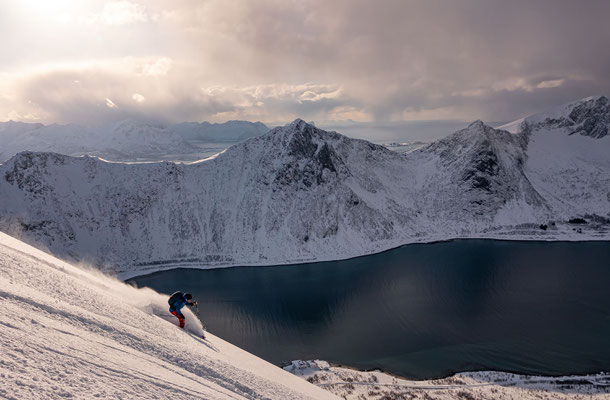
58, 11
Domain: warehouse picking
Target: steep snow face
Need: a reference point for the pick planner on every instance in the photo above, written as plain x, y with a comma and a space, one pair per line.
300, 194
230, 131
118, 141
68, 332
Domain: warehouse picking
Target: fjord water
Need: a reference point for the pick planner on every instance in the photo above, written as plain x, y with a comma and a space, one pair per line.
419, 311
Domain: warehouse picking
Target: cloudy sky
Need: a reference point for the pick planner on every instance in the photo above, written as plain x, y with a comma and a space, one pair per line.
96, 61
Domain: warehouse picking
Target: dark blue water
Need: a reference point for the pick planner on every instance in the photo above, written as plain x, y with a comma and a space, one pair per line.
420, 311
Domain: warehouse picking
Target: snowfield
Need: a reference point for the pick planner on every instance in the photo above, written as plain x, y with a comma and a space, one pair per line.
67, 332
300, 194
485, 385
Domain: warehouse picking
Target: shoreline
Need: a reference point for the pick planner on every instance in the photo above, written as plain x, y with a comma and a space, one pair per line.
351, 383
454, 373
565, 237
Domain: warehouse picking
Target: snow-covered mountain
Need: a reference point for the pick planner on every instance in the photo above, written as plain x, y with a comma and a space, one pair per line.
122, 140
587, 117
230, 131
299, 193
11, 128
569, 156
66, 332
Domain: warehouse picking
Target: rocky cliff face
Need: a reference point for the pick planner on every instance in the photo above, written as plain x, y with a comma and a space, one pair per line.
295, 194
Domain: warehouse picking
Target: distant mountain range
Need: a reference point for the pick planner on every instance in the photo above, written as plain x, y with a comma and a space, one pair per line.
299, 193
126, 140
230, 131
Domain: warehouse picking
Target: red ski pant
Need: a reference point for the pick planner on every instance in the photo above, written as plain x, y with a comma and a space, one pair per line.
180, 318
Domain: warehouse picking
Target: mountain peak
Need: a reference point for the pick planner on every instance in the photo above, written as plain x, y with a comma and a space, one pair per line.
478, 127
299, 125
478, 124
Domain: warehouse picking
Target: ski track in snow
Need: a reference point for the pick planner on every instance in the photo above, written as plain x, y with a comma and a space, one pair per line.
66, 332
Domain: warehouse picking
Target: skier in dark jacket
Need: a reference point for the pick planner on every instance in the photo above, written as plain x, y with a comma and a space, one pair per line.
177, 301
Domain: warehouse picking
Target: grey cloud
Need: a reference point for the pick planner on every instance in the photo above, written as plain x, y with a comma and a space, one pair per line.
408, 56
391, 60
99, 95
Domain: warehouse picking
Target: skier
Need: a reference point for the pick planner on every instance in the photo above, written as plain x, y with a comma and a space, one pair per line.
177, 301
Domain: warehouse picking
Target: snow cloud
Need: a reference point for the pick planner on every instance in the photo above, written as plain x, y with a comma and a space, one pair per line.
276, 60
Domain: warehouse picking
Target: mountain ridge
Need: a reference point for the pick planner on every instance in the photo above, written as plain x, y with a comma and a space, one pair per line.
299, 193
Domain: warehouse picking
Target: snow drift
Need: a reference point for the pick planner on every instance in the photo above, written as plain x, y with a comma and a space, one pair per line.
68, 332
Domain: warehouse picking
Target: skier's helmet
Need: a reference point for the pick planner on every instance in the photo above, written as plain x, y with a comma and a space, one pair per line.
188, 296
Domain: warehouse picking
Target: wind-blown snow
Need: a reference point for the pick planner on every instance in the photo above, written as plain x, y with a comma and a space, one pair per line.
299, 194
66, 332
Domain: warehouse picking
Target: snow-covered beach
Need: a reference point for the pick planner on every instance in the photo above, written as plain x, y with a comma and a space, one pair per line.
483, 385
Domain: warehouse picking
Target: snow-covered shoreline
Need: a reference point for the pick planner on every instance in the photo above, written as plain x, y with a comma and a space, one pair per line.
351, 383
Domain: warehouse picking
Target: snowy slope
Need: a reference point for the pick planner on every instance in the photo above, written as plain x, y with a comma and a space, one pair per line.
67, 332
122, 140
569, 156
230, 131
299, 193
